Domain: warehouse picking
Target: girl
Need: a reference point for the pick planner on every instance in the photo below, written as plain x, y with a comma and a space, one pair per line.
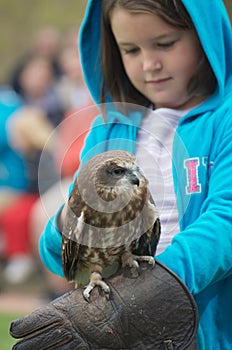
173, 59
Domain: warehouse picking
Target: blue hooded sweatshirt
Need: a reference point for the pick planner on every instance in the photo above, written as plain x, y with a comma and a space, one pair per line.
201, 253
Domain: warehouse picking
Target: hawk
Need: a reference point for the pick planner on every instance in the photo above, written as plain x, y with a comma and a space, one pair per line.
111, 220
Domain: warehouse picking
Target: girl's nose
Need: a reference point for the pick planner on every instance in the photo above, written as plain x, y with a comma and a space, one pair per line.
151, 63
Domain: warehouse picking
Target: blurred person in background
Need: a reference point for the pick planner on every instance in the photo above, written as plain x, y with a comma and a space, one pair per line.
46, 42
12, 170
40, 113
71, 87
38, 87
28, 130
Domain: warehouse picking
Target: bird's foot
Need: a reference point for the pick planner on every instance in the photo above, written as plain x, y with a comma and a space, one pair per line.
147, 258
132, 260
96, 280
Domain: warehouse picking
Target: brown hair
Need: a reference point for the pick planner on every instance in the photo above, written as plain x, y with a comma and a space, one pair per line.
115, 80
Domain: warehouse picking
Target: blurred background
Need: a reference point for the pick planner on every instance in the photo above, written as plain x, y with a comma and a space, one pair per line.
20, 20
42, 93
228, 4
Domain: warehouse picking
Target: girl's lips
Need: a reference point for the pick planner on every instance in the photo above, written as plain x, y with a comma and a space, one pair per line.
157, 81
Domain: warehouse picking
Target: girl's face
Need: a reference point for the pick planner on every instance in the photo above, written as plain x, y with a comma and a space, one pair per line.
159, 59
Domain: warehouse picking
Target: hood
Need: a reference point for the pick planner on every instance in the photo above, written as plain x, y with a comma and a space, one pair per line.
211, 22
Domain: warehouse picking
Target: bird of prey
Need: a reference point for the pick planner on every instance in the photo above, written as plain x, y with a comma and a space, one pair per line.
111, 220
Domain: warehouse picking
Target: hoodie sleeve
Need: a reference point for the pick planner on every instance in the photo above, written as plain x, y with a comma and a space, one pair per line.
201, 253
50, 246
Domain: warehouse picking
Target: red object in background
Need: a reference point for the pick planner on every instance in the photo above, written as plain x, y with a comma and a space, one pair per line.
71, 135
15, 226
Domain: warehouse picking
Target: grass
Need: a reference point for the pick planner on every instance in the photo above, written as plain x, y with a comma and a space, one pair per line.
6, 340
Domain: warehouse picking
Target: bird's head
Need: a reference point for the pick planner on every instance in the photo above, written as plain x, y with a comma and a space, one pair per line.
117, 174
112, 176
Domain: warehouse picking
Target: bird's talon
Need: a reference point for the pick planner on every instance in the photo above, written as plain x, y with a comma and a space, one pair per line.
86, 296
107, 290
107, 295
152, 262
136, 265
96, 282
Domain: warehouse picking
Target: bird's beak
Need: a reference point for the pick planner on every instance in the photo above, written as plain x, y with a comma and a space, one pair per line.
134, 180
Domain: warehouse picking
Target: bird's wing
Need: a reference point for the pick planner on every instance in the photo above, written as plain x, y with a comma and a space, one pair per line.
71, 241
148, 241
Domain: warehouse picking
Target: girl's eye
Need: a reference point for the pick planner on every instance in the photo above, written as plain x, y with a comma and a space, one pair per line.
166, 45
130, 51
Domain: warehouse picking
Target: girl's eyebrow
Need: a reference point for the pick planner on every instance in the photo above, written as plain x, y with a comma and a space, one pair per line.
157, 38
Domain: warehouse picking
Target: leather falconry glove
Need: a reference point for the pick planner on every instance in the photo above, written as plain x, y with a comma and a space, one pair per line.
152, 311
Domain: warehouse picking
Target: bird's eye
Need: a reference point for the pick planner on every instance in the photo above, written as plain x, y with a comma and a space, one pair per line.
117, 172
